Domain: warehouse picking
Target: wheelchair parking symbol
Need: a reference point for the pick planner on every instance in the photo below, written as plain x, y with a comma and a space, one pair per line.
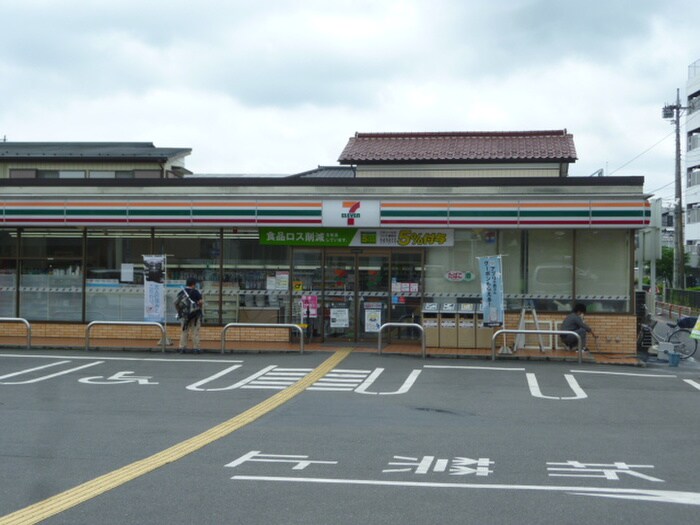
120, 378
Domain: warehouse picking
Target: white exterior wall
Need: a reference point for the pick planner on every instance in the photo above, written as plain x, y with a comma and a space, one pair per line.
78, 166
460, 170
692, 161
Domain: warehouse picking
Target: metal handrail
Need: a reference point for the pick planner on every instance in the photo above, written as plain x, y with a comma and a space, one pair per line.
89, 327
26, 323
403, 325
545, 332
262, 325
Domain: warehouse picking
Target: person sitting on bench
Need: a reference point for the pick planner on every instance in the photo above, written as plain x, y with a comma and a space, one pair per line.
574, 323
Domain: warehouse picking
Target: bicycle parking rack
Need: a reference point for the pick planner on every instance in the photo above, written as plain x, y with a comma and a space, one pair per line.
541, 332
403, 325
26, 323
262, 325
89, 327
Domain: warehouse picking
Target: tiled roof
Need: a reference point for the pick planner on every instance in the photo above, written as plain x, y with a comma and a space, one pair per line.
88, 151
459, 146
325, 172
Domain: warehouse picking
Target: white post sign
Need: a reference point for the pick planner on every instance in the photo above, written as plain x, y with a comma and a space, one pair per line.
154, 288
491, 290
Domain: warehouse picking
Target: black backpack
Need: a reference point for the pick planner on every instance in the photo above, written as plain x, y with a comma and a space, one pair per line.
184, 305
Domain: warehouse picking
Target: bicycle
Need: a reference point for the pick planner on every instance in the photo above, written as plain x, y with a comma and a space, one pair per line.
678, 334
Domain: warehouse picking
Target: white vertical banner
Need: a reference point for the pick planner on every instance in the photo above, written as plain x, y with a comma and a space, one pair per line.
491, 290
154, 288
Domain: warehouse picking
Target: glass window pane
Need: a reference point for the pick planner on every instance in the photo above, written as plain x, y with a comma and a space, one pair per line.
306, 280
603, 270
114, 268
259, 274
51, 290
52, 242
191, 253
102, 174
462, 257
550, 269
8, 287
510, 246
8, 243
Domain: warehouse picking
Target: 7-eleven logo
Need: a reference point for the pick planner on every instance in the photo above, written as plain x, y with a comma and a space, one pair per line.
351, 214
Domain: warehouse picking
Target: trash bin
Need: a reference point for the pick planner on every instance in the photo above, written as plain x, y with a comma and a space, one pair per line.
430, 324
674, 358
448, 325
466, 331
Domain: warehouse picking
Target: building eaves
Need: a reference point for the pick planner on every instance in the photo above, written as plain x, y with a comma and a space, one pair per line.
349, 183
88, 151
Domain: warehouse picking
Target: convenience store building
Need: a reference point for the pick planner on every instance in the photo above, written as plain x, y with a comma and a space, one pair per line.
392, 234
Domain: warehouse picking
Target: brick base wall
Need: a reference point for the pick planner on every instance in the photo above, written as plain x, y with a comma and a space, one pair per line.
617, 334
207, 333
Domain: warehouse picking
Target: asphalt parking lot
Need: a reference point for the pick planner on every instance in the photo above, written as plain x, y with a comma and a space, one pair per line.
128, 437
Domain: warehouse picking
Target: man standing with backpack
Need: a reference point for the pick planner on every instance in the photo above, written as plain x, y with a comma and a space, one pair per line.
189, 310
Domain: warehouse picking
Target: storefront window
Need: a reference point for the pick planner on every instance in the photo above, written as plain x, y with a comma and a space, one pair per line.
114, 280
602, 270
191, 253
307, 282
51, 290
8, 272
8, 243
510, 246
256, 279
550, 265
51, 274
8, 287
453, 273
52, 242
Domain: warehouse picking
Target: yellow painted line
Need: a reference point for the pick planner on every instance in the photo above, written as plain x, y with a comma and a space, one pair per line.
65, 500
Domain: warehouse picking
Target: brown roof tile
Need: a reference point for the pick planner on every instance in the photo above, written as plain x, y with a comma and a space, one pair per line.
460, 146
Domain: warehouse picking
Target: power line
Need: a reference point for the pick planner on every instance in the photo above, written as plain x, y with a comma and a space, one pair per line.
642, 153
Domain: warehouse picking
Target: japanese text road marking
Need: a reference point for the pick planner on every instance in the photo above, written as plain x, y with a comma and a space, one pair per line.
72, 497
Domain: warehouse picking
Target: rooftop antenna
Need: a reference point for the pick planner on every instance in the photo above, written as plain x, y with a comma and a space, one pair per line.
598, 173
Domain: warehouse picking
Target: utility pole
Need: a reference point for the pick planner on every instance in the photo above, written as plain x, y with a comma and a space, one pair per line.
674, 112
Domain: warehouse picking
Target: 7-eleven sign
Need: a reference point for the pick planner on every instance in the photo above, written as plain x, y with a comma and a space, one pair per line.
351, 213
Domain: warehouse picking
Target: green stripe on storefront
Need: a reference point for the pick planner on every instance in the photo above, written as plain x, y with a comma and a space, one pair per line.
483, 213
25, 212
618, 213
95, 212
159, 213
289, 213
227, 212
413, 213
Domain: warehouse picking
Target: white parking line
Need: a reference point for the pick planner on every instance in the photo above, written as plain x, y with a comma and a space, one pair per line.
462, 367
13, 374
692, 383
92, 357
50, 376
632, 374
536, 392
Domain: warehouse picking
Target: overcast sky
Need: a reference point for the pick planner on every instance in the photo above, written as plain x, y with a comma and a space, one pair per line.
278, 86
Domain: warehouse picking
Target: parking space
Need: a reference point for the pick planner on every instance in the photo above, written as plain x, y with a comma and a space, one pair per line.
513, 443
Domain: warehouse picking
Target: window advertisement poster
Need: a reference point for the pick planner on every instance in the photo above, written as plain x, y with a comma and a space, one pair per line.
340, 318
309, 306
346, 237
373, 320
491, 290
154, 288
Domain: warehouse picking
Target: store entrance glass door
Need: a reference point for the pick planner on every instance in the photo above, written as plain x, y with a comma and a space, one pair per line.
356, 295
